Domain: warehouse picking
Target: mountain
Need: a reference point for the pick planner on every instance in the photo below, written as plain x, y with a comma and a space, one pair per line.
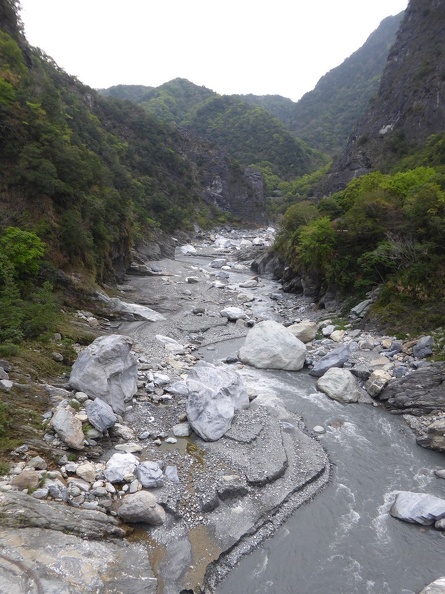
90, 175
248, 132
325, 116
409, 106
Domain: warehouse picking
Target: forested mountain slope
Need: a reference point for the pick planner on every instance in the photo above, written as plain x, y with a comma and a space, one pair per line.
324, 117
249, 133
89, 175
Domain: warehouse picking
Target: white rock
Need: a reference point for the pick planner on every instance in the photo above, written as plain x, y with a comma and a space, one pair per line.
269, 345
339, 384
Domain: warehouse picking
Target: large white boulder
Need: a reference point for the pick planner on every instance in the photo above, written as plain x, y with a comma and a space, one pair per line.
269, 345
214, 394
339, 384
141, 507
418, 508
107, 369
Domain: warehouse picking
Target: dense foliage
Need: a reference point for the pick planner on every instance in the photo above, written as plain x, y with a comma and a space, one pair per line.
382, 229
249, 132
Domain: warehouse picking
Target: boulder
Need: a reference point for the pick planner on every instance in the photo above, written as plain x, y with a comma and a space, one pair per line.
233, 313
339, 384
141, 507
120, 468
107, 369
361, 309
214, 394
68, 427
436, 587
187, 250
149, 474
435, 436
421, 391
27, 479
218, 263
376, 382
418, 508
336, 358
19, 509
269, 345
423, 348
304, 331
100, 414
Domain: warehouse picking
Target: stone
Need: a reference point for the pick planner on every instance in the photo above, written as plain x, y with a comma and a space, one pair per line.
121, 468
81, 397
337, 335
100, 414
305, 330
376, 382
361, 309
124, 432
192, 280
218, 263
249, 284
435, 436
418, 508
328, 330
171, 474
440, 473
215, 393
19, 509
141, 507
68, 428
339, 384
423, 348
269, 345
181, 429
27, 479
5, 385
436, 587
107, 369
149, 475
233, 313
38, 463
319, 429
336, 358
245, 298
188, 250
87, 472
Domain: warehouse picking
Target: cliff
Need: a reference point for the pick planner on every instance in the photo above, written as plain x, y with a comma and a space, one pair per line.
410, 103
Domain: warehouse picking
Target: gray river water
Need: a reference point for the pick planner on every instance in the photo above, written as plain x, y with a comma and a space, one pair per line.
345, 541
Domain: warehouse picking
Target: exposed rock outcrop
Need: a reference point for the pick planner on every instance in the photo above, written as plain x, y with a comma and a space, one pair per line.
410, 104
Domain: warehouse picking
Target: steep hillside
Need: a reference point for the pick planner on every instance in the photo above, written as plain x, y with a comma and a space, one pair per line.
325, 116
90, 175
410, 104
251, 135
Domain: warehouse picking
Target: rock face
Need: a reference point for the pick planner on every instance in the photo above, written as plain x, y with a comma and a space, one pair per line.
409, 106
418, 508
20, 510
422, 391
270, 345
107, 369
214, 394
339, 384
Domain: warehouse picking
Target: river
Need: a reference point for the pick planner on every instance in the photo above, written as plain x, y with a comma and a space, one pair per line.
345, 541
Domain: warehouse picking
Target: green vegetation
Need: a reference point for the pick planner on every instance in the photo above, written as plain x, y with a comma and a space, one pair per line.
382, 229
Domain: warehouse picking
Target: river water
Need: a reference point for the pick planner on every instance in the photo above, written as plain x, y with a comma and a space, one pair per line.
345, 541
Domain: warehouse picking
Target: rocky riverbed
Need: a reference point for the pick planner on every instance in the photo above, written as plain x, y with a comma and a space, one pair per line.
147, 493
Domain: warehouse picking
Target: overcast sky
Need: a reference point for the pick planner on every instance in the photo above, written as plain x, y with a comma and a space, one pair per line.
237, 46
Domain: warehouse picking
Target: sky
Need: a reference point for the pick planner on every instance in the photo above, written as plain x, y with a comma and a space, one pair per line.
279, 47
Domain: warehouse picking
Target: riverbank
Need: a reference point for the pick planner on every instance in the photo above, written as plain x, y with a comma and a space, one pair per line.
224, 497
